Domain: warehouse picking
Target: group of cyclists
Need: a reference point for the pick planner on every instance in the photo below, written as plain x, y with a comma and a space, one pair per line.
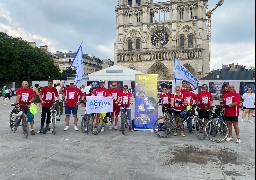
122, 98
184, 96
73, 97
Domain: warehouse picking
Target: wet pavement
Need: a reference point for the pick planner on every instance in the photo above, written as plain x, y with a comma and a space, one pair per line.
111, 155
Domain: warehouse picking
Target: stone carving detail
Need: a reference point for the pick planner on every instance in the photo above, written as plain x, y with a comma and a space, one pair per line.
160, 69
160, 56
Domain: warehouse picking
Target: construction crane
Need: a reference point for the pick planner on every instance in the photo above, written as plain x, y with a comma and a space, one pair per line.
209, 15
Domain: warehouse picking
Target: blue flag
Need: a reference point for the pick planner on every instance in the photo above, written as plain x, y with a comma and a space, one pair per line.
78, 64
181, 73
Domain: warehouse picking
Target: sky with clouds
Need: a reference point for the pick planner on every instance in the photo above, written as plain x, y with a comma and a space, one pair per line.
63, 25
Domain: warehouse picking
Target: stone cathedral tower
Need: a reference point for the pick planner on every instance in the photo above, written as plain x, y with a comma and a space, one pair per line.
149, 35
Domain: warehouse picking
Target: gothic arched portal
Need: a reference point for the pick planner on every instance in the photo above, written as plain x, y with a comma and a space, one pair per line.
160, 69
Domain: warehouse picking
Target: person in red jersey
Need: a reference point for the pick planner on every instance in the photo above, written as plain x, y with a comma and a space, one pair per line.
224, 91
183, 86
72, 94
125, 99
177, 104
190, 97
25, 95
102, 91
231, 102
114, 92
204, 102
47, 97
165, 99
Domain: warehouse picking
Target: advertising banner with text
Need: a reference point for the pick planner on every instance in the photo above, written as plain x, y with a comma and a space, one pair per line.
99, 104
146, 98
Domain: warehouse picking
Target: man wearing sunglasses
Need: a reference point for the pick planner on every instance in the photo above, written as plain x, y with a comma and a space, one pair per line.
47, 97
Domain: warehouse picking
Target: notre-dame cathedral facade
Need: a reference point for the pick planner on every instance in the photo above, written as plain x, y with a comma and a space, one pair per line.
149, 35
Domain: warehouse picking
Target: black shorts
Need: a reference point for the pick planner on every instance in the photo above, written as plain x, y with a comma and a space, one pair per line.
7, 95
203, 113
168, 109
231, 118
176, 113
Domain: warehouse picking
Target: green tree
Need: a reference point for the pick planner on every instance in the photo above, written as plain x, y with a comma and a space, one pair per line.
19, 61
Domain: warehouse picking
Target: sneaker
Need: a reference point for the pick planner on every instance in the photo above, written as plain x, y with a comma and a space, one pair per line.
58, 118
4, 104
250, 121
190, 130
182, 134
40, 131
66, 128
115, 127
229, 139
238, 140
75, 128
175, 134
110, 127
102, 129
33, 132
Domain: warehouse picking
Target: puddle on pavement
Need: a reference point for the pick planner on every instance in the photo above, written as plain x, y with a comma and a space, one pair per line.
191, 154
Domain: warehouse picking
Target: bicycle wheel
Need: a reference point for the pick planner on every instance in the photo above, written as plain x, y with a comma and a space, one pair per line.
199, 127
84, 124
123, 121
163, 127
216, 130
53, 120
25, 125
98, 125
12, 122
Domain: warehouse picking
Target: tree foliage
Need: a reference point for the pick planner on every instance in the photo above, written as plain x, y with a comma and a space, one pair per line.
19, 61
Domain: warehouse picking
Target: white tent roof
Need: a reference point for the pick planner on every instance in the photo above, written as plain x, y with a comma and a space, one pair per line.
114, 73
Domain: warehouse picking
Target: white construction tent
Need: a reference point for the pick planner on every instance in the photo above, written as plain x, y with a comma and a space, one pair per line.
114, 73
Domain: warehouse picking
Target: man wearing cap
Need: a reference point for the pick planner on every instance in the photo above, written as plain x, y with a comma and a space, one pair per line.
72, 94
102, 91
47, 97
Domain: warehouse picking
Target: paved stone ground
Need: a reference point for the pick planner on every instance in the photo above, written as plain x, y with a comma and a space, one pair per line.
111, 155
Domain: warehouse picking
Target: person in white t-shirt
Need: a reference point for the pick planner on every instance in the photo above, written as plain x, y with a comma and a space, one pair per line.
248, 104
60, 104
7, 95
87, 89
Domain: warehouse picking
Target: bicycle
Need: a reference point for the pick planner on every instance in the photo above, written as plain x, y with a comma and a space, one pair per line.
216, 129
179, 122
99, 120
87, 123
18, 115
163, 127
124, 118
53, 119
54, 116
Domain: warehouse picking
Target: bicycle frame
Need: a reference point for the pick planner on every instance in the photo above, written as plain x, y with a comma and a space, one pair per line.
53, 116
19, 115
